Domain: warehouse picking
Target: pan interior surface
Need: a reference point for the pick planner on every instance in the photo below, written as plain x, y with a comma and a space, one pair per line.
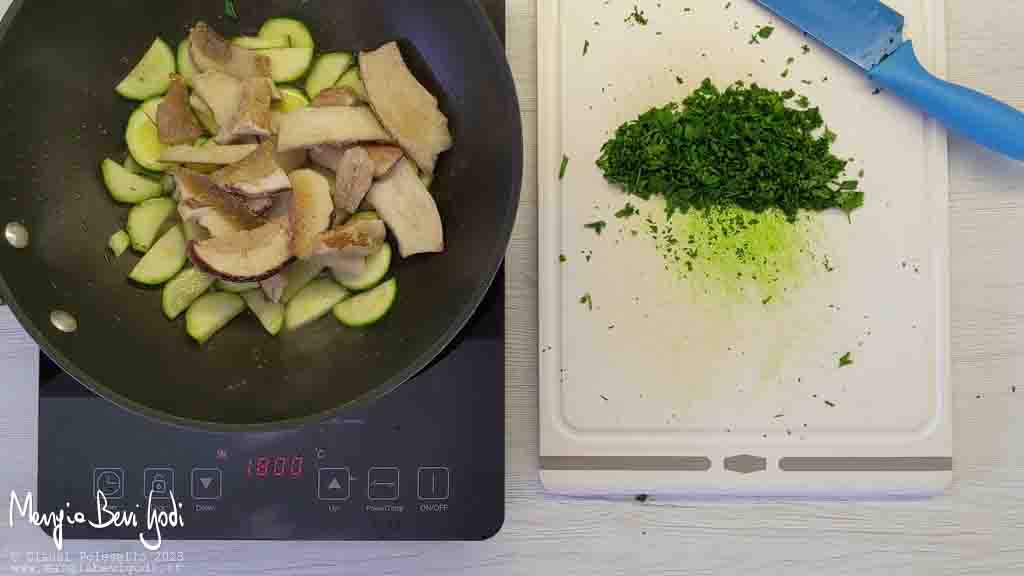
62, 61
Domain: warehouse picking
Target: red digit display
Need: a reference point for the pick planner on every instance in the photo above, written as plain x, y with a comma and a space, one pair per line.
273, 466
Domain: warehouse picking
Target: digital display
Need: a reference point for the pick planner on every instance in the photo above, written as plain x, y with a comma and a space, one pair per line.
271, 466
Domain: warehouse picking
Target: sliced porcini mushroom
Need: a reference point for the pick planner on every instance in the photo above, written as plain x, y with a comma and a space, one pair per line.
353, 240
175, 121
406, 109
209, 154
261, 206
252, 116
384, 157
204, 113
337, 96
219, 212
311, 211
308, 127
407, 207
210, 51
246, 256
345, 268
354, 177
255, 176
222, 94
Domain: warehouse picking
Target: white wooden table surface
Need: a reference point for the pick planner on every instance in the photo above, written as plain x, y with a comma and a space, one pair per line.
978, 528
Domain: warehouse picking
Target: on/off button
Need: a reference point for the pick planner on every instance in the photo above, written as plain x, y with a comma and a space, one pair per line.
434, 484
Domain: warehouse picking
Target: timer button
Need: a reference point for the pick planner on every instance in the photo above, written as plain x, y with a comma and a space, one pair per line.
206, 484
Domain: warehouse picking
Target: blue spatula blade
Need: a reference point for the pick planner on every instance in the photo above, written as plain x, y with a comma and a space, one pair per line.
864, 31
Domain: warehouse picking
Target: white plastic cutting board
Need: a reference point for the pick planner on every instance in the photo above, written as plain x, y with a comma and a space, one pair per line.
672, 386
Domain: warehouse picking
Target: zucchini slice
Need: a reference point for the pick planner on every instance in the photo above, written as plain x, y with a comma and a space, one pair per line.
368, 308
210, 313
146, 220
152, 75
270, 314
313, 303
377, 267
294, 31
127, 187
237, 287
298, 276
261, 43
151, 107
163, 261
289, 64
119, 243
291, 99
352, 79
186, 67
143, 140
326, 72
185, 289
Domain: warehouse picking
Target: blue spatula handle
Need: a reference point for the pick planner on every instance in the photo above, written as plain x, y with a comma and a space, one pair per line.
982, 118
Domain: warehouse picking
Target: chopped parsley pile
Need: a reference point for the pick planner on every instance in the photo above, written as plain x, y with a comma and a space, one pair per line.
744, 146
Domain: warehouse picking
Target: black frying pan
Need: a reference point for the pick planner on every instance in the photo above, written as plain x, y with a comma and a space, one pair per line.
59, 63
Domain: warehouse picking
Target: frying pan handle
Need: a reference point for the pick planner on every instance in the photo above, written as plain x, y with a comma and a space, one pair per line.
982, 118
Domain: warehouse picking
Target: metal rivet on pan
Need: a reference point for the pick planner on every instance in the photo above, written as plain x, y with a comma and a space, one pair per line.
63, 321
16, 235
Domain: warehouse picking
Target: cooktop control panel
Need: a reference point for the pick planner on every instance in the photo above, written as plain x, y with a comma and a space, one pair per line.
423, 463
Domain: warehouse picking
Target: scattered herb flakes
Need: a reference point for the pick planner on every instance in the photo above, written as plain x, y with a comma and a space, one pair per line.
680, 81
627, 212
728, 5
876, 91
565, 164
803, 102
846, 360
778, 157
785, 73
805, 49
763, 33
830, 404
562, 259
603, 397
588, 301
642, 498
586, 47
229, 10
598, 227
637, 16
766, 301
790, 61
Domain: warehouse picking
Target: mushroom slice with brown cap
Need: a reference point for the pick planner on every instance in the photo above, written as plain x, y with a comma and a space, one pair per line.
308, 127
337, 96
246, 256
219, 212
407, 207
406, 109
175, 121
210, 51
222, 94
383, 156
257, 176
312, 210
252, 116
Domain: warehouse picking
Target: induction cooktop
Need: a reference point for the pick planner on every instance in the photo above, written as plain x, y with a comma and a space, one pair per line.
423, 463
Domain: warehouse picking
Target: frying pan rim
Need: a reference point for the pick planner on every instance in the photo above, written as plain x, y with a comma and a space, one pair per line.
503, 78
